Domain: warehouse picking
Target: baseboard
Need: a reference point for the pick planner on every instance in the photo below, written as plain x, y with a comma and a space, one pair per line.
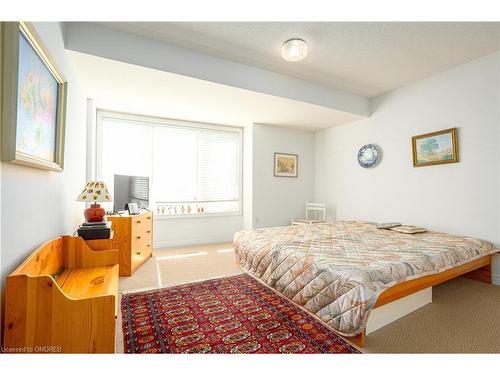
495, 279
198, 241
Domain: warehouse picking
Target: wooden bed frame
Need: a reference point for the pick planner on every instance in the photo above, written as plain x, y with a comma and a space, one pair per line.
479, 269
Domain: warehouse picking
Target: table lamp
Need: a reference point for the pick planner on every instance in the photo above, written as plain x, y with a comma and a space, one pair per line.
95, 191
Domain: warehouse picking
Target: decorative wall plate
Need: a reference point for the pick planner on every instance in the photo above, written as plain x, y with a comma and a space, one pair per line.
369, 155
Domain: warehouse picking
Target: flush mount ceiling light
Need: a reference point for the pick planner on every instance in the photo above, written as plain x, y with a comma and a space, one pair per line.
294, 50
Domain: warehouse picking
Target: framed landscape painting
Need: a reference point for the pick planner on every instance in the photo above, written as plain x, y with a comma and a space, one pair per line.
439, 147
33, 100
285, 165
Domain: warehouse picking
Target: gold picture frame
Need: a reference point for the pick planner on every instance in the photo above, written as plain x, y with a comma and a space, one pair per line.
440, 147
286, 165
52, 90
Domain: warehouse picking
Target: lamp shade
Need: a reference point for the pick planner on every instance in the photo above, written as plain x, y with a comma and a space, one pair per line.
95, 191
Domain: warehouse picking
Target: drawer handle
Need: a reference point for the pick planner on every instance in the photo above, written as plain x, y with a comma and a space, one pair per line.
148, 217
138, 237
138, 221
148, 231
138, 252
148, 245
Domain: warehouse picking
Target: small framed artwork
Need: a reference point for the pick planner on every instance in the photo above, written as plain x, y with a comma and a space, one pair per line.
439, 147
285, 165
33, 100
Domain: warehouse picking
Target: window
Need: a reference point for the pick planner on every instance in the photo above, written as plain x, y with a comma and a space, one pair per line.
192, 168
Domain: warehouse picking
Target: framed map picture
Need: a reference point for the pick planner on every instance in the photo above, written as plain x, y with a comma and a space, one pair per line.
33, 100
285, 165
439, 147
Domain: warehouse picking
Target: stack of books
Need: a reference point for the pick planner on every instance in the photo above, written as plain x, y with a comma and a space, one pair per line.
95, 231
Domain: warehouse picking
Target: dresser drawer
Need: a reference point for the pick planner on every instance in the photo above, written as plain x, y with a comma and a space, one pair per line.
139, 256
142, 224
141, 240
141, 231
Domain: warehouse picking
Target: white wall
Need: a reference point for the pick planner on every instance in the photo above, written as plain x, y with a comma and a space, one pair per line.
461, 198
276, 200
248, 176
183, 231
38, 205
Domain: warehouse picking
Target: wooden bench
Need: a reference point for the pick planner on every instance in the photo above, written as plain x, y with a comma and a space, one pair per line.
63, 298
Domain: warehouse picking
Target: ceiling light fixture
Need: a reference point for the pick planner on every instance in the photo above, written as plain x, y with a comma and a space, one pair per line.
294, 50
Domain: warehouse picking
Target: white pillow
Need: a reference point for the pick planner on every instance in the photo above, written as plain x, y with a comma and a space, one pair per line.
387, 225
408, 229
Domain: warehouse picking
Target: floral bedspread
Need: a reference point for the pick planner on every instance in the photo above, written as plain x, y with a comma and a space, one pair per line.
337, 270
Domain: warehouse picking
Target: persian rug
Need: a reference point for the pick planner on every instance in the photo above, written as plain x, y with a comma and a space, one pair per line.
235, 314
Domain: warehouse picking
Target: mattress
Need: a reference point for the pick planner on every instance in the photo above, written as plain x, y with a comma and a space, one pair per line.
336, 271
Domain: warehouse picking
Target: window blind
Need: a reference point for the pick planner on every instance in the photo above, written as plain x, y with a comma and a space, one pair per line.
140, 188
191, 169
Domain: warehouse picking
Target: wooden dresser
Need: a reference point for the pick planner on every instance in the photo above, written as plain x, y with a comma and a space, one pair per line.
133, 238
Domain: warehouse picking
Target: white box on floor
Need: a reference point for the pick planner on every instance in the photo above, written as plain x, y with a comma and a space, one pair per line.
383, 315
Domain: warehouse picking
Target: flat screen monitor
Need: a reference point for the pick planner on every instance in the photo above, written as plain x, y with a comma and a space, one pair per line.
130, 189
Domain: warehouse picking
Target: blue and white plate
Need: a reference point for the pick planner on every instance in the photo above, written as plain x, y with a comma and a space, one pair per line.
369, 155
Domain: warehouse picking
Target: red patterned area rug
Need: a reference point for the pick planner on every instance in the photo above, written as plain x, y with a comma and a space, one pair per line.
234, 314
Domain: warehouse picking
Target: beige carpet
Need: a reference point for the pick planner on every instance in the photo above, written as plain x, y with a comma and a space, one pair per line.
464, 317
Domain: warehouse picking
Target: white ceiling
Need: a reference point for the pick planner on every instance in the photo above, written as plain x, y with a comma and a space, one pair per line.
362, 58
134, 89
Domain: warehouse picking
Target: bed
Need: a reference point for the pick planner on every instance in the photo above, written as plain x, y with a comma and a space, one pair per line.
341, 271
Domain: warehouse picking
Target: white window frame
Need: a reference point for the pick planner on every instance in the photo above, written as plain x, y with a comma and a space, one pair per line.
103, 113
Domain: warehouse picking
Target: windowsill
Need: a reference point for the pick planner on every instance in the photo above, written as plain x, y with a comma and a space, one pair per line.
195, 216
